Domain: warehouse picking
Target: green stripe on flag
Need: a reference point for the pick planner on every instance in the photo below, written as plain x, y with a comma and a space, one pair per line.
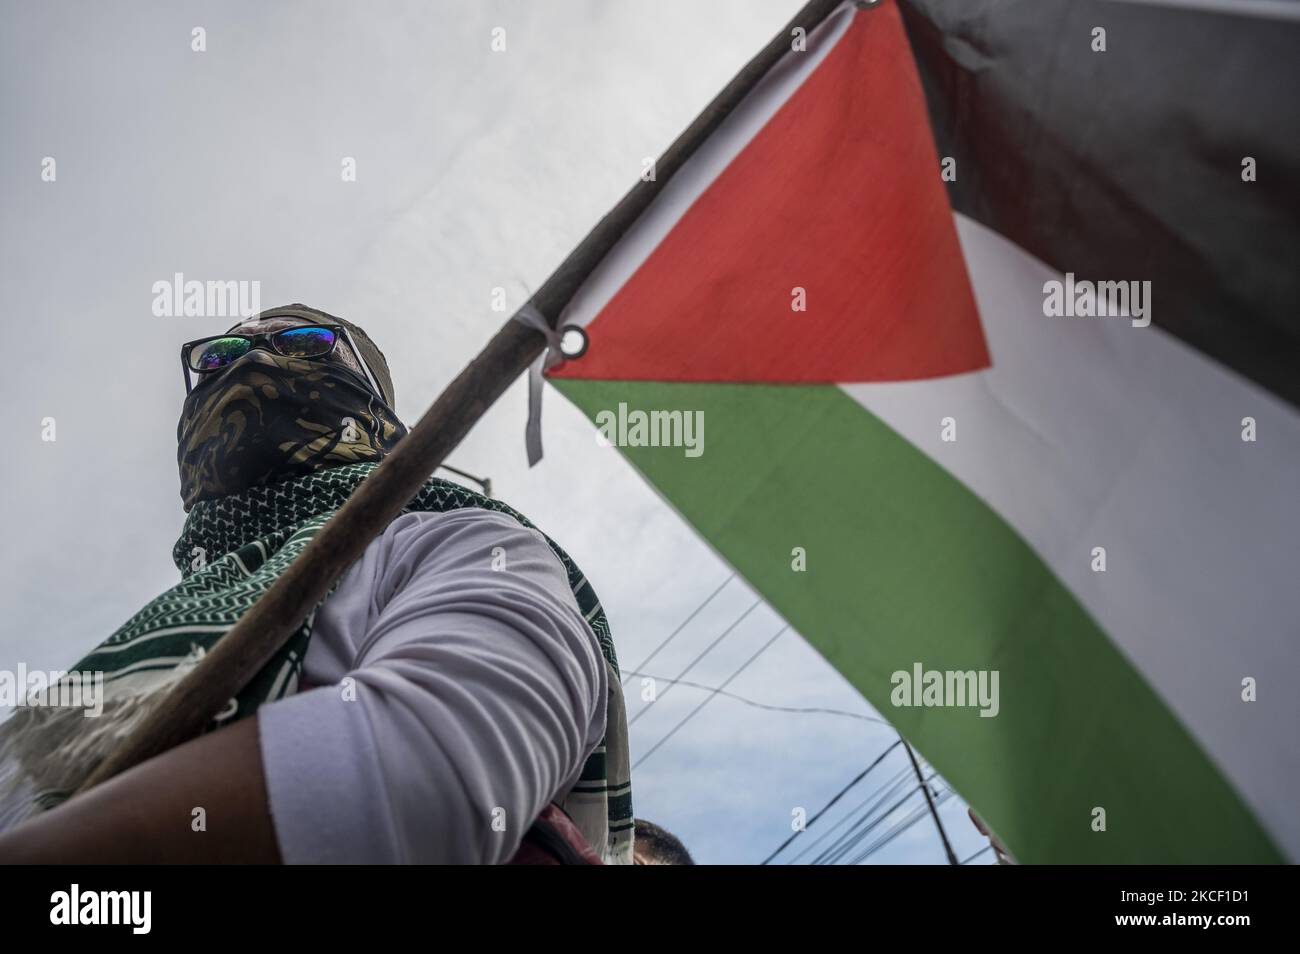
905, 565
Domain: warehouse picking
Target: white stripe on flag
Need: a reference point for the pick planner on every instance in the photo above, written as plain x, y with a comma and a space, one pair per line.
1090, 432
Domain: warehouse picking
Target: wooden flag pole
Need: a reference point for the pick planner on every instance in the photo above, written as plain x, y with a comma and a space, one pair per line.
260, 632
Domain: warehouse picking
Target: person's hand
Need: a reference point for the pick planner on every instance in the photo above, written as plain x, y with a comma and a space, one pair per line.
999, 849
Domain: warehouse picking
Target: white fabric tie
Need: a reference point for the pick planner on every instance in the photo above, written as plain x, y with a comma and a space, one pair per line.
553, 355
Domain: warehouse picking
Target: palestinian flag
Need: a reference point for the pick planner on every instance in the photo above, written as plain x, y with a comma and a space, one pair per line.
903, 374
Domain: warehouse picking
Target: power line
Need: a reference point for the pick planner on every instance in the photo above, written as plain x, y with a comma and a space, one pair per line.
838, 795
916, 815
710, 697
985, 849
943, 835
691, 665
874, 800
840, 847
674, 633
854, 837
867, 821
890, 834
759, 705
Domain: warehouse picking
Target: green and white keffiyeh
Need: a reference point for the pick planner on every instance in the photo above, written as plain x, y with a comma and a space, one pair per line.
229, 553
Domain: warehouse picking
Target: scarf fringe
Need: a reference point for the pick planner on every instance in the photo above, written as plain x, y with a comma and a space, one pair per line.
46, 752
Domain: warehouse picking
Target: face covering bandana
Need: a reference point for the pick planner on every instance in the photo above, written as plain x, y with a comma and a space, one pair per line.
267, 418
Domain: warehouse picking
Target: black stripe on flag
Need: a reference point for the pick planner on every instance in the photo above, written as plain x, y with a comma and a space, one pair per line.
1127, 164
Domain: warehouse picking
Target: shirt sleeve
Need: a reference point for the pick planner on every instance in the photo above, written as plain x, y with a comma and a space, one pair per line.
475, 696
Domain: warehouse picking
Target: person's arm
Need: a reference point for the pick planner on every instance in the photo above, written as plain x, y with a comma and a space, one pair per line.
150, 814
475, 695
474, 699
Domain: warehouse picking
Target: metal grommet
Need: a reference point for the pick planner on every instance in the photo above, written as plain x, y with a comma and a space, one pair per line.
573, 342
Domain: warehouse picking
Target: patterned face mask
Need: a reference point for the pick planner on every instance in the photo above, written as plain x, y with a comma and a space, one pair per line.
267, 418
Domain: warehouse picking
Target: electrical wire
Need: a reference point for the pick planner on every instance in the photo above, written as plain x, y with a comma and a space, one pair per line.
691, 665
759, 705
916, 815
838, 795
683, 625
709, 698
873, 800
860, 831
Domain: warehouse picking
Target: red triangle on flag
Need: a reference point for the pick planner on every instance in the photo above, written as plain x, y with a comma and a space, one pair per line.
838, 194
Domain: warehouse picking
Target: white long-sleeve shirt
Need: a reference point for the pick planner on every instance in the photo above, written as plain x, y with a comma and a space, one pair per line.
454, 699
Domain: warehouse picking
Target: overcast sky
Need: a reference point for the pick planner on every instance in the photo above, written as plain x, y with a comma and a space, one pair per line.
475, 170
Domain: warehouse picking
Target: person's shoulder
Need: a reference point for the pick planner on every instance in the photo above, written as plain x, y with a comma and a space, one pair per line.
473, 533
472, 552
464, 521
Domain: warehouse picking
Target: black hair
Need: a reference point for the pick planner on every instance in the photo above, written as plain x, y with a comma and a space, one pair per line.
658, 846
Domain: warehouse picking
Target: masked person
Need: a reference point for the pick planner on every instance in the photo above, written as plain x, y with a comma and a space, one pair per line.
455, 698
